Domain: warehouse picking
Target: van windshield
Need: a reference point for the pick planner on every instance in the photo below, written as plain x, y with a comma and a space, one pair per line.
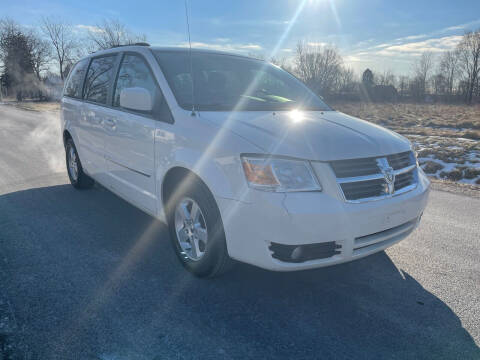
227, 82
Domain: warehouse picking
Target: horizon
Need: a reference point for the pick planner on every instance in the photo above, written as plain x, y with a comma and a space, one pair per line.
392, 36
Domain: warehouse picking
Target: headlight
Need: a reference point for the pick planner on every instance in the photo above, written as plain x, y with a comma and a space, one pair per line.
280, 175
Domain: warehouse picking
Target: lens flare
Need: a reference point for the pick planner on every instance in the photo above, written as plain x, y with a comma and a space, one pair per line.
296, 116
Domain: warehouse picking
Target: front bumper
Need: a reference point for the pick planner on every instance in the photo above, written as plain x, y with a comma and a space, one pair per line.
357, 230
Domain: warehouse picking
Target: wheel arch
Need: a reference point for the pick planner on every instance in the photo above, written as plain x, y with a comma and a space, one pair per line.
173, 177
66, 136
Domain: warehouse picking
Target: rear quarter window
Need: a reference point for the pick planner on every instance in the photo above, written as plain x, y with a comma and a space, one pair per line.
74, 85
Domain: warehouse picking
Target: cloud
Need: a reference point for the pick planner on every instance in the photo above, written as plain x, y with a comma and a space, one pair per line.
218, 21
412, 37
403, 47
91, 28
249, 46
398, 55
224, 46
317, 43
364, 43
416, 48
431, 42
466, 26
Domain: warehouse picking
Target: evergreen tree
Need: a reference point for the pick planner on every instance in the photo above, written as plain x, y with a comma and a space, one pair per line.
16, 56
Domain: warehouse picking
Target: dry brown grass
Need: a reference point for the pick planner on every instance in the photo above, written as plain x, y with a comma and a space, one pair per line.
420, 119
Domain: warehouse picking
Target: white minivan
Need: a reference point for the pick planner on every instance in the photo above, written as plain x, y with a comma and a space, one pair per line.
239, 158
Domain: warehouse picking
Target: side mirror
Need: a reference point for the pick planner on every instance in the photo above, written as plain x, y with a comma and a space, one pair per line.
136, 98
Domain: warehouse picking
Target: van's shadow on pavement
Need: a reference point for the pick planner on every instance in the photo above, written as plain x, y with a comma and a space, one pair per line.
90, 276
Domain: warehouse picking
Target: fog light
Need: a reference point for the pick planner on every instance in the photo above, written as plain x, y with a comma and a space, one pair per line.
297, 253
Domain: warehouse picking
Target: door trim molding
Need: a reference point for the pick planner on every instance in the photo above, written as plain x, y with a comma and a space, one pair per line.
129, 168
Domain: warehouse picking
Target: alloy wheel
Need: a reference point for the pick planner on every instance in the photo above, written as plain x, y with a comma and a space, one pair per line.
73, 163
191, 229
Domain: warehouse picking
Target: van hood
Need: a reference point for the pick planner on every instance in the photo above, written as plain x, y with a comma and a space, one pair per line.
312, 135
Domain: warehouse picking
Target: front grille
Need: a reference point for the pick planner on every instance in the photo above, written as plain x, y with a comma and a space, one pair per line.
404, 180
302, 253
366, 178
363, 189
356, 167
402, 160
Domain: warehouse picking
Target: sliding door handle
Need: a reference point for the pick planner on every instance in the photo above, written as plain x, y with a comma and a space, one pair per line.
110, 122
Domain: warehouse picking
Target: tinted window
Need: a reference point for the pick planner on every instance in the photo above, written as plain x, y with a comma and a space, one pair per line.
98, 79
134, 72
223, 82
75, 81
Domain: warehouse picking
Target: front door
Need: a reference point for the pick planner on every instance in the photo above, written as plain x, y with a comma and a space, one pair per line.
130, 138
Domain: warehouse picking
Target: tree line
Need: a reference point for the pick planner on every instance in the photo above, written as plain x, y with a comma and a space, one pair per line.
28, 57
451, 76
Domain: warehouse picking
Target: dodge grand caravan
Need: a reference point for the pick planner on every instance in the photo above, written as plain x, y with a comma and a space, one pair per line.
239, 158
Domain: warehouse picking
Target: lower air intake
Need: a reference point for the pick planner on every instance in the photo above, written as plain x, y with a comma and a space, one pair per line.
302, 253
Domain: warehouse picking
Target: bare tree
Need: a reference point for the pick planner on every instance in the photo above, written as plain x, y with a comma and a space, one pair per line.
112, 33
403, 82
63, 42
41, 54
386, 78
439, 82
449, 68
318, 66
469, 55
281, 62
346, 81
422, 69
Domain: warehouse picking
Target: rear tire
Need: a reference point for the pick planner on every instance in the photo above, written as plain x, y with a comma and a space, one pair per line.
211, 258
78, 178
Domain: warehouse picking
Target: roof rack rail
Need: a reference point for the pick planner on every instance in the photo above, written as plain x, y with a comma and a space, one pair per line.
134, 44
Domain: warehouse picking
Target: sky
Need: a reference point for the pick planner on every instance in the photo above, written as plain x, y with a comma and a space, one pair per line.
382, 35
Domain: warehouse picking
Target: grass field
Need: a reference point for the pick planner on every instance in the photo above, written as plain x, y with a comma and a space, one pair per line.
447, 137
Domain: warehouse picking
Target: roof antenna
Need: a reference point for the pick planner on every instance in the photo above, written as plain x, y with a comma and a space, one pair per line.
191, 62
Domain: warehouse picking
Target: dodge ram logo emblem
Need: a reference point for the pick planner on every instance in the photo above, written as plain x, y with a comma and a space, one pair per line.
388, 174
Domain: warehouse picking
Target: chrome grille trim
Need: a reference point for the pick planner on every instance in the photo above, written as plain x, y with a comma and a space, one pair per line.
374, 181
374, 176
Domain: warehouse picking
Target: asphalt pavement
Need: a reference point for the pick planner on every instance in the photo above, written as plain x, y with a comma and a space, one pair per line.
85, 275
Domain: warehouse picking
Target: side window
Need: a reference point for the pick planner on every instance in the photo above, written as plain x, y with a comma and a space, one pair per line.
73, 88
98, 79
134, 72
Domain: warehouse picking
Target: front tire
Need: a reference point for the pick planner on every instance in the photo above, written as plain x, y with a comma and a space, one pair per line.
196, 231
78, 178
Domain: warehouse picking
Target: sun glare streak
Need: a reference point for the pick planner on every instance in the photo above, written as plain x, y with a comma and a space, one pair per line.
291, 23
333, 8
